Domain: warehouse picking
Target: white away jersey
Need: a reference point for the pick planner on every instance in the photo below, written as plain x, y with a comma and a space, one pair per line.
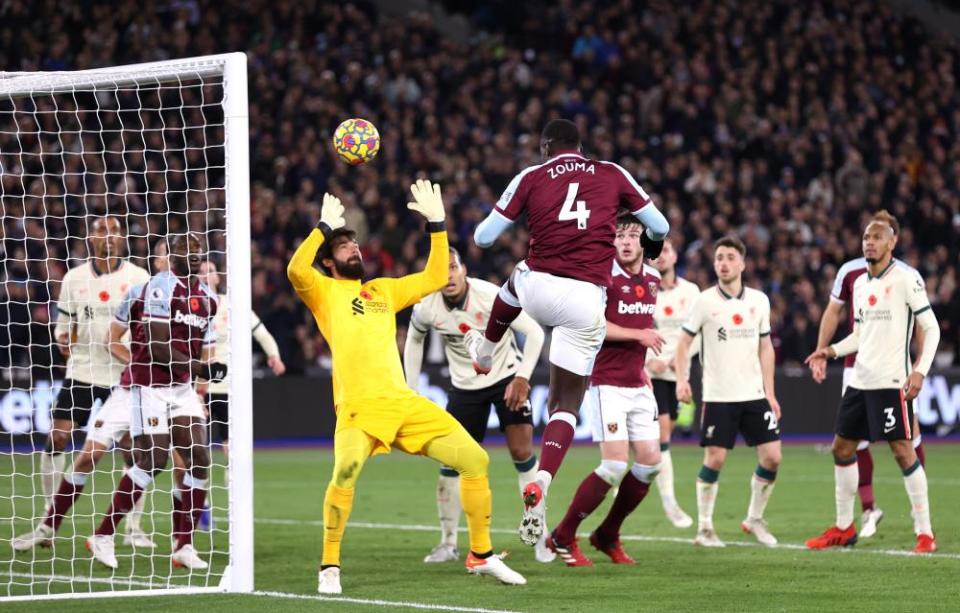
85, 309
884, 310
673, 308
731, 327
452, 324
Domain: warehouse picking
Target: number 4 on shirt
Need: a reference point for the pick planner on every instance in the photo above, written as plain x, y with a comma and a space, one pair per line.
581, 214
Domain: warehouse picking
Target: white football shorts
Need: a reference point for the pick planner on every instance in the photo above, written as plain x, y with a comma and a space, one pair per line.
623, 413
154, 407
574, 309
112, 421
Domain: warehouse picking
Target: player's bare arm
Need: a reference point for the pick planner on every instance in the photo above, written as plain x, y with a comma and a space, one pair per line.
829, 322
648, 337
680, 362
115, 344
767, 368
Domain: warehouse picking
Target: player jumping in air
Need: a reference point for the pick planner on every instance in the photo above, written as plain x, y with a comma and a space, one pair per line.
376, 409
463, 305
167, 353
571, 204
674, 300
878, 403
623, 406
841, 294
738, 394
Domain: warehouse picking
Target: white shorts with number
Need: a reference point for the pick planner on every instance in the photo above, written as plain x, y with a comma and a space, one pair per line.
154, 407
575, 311
112, 421
623, 413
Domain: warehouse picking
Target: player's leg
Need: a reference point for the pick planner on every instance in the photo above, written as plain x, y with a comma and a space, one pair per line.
719, 423
471, 409
852, 426
872, 514
456, 448
517, 426
506, 308
218, 407
666, 395
643, 429
761, 429
609, 407
918, 442
891, 412
189, 434
71, 411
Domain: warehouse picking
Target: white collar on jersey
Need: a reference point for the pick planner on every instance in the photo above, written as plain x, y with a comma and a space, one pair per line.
618, 270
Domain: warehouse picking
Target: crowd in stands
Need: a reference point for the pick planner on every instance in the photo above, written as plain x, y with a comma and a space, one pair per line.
787, 123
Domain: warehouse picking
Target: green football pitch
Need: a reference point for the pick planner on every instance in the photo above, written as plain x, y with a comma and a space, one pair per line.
393, 526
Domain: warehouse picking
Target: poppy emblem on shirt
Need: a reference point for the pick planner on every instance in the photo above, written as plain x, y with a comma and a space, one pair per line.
668, 310
872, 300
194, 304
104, 296
365, 295
464, 328
639, 291
737, 319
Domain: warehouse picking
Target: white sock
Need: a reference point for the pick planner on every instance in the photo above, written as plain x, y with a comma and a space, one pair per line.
916, 484
668, 496
545, 480
136, 513
51, 472
760, 490
847, 478
448, 508
706, 500
527, 476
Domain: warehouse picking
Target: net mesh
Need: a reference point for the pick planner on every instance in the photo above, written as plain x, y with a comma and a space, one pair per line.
148, 149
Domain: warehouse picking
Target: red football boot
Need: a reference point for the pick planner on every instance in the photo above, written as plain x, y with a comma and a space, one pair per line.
834, 537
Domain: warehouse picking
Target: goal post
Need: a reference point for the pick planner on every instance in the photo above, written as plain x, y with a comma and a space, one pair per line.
164, 146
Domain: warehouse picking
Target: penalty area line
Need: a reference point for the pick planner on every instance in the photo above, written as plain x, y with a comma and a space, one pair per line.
380, 603
625, 537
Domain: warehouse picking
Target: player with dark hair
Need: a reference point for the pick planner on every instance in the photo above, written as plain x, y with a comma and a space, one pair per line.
878, 403
89, 295
738, 393
463, 304
571, 203
167, 353
840, 296
376, 409
623, 407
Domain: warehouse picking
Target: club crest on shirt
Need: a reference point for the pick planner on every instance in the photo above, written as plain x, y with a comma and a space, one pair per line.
613, 427
652, 288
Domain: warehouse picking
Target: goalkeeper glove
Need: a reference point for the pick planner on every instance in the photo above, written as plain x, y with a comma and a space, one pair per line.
215, 372
651, 248
331, 214
429, 201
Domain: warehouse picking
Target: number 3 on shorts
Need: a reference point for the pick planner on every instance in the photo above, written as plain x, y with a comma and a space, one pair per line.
891, 419
771, 420
581, 214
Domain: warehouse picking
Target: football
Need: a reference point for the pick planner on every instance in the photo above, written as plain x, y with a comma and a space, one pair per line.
356, 141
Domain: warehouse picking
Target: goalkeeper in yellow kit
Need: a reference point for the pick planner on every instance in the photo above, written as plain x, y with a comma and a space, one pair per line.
375, 409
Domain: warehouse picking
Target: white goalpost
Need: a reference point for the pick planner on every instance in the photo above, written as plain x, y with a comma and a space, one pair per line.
163, 147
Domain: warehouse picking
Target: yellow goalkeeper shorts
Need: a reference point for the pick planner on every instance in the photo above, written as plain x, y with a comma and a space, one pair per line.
405, 423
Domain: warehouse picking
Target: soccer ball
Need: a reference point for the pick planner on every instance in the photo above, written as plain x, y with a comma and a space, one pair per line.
356, 141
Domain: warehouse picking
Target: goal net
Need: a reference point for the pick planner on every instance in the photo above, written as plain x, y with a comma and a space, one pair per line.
99, 169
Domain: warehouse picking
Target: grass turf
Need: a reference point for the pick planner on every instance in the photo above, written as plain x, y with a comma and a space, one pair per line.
382, 562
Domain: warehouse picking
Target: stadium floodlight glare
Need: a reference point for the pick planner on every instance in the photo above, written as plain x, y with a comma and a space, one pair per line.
163, 147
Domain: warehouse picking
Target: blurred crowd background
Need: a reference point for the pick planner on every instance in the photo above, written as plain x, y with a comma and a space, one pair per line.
787, 123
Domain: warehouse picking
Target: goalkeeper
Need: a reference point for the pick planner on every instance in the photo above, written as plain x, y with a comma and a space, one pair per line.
376, 410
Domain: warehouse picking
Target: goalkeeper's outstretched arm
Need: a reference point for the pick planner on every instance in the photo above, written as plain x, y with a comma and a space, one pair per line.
410, 289
309, 284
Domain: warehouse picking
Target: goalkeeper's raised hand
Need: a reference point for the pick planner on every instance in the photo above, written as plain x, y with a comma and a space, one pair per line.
331, 214
428, 201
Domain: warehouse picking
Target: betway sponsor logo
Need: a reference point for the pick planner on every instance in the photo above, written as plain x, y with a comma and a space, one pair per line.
190, 319
635, 308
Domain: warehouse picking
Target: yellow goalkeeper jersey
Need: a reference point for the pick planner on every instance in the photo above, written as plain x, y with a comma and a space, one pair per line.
358, 320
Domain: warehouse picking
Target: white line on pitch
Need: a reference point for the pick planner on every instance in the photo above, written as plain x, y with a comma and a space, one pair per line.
625, 537
381, 603
79, 579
